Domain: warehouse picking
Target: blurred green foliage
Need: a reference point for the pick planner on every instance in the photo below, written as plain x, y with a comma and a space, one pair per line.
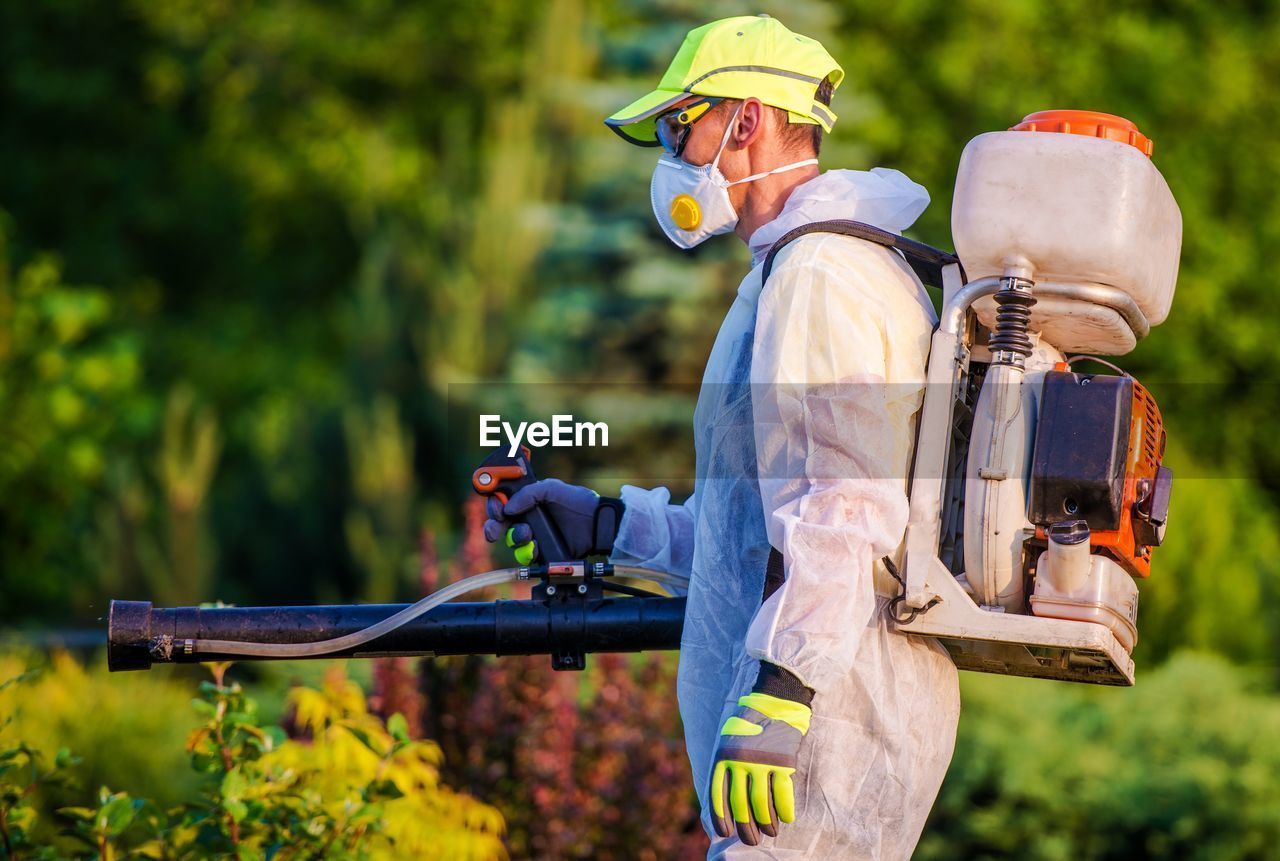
1183, 766
67, 385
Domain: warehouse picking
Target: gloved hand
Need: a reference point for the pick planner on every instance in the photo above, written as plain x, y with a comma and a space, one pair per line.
587, 521
751, 779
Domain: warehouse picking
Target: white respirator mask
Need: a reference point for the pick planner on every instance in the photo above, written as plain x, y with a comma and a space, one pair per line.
691, 202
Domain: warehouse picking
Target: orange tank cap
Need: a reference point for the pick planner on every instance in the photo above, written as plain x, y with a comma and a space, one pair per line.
1094, 124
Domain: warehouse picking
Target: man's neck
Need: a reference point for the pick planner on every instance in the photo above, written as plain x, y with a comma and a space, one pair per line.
766, 198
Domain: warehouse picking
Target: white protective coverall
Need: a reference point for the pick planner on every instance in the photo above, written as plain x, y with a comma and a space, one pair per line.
804, 431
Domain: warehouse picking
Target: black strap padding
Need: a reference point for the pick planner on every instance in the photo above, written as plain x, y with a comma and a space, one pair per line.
925, 260
773, 574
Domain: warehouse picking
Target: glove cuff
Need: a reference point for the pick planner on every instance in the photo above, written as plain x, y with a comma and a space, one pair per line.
780, 682
608, 517
796, 715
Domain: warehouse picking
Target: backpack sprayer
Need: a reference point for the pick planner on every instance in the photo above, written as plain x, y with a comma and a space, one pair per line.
1037, 493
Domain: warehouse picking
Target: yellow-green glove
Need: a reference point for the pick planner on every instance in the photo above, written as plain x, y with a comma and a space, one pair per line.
751, 779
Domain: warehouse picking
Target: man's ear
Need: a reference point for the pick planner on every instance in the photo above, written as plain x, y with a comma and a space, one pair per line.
751, 120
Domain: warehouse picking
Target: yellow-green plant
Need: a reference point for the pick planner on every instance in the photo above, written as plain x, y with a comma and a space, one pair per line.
352, 787
354, 755
128, 728
23, 777
358, 788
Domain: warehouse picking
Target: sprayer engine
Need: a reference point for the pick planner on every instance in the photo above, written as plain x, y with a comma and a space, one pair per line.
1098, 450
1098, 498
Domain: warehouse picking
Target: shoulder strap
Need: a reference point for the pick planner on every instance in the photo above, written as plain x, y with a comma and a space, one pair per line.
925, 260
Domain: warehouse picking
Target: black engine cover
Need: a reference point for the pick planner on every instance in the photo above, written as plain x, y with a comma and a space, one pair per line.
1082, 440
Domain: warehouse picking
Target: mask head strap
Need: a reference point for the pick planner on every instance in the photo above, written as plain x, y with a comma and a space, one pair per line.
724, 141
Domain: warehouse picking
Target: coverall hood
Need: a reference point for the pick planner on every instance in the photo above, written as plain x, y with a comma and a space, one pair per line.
882, 197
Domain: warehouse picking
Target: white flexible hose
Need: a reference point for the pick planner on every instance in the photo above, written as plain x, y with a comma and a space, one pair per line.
673, 583
358, 638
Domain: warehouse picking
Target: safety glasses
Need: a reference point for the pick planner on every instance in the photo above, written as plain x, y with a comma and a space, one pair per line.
673, 127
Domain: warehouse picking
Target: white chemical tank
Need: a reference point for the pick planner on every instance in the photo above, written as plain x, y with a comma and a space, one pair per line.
1076, 195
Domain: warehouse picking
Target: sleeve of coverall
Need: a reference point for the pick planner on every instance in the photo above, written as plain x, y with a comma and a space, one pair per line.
654, 534
832, 501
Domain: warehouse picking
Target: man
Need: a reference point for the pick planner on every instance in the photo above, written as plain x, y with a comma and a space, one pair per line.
813, 730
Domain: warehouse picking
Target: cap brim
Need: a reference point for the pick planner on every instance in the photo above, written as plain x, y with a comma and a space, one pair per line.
634, 123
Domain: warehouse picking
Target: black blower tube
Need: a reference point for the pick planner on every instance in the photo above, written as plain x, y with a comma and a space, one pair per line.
139, 635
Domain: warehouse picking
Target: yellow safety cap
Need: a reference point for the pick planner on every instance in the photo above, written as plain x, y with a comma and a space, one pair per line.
738, 58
